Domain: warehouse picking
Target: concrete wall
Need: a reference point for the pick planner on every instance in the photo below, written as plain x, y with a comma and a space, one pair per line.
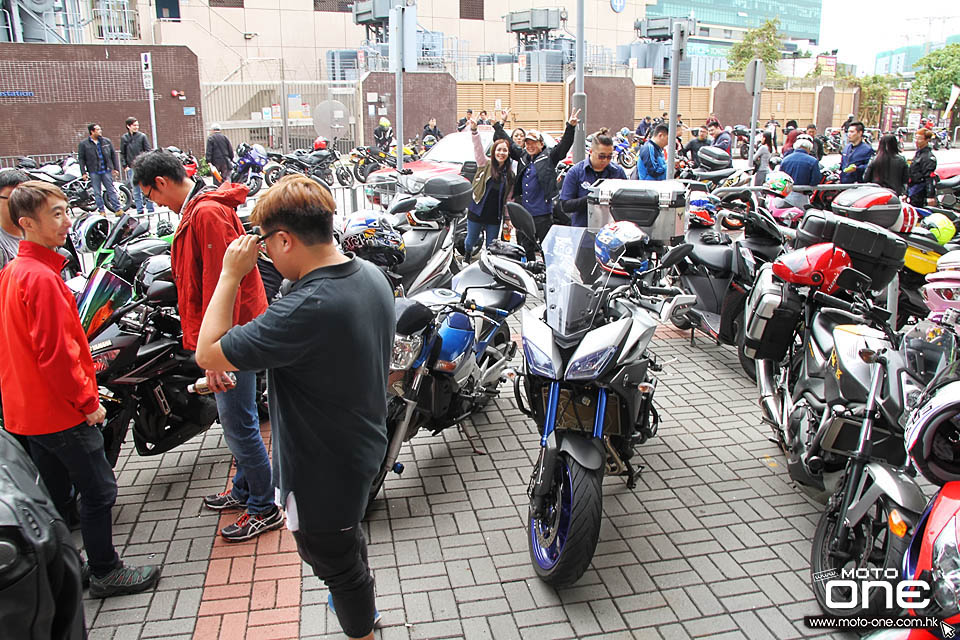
73, 85
425, 96
610, 103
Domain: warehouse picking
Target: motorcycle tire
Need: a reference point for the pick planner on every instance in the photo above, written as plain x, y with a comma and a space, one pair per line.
369, 168
744, 151
344, 177
821, 559
358, 172
561, 557
263, 409
274, 173
627, 159
326, 175
936, 143
86, 204
124, 197
254, 182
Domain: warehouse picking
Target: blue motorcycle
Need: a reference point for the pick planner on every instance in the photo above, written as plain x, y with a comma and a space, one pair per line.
248, 168
451, 351
625, 153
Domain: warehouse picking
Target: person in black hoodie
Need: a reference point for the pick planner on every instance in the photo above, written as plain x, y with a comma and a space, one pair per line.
888, 168
922, 182
536, 186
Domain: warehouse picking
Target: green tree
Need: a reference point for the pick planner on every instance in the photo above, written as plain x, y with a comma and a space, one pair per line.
764, 42
874, 91
937, 72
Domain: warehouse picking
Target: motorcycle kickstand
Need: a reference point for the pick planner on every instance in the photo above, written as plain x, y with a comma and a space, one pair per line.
632, 474
476, 450
693, 333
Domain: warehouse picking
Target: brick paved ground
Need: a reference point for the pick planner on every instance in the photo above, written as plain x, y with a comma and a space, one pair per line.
712, 543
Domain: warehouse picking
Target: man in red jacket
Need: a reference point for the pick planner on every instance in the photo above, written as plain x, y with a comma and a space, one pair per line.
50, 392
208, 223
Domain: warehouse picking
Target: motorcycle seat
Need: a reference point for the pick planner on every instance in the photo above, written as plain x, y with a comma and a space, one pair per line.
714, 176
716, 257
421, 245
949, 183
412, 316
924, 243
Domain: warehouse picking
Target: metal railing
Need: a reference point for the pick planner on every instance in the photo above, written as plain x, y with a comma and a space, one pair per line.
8, 162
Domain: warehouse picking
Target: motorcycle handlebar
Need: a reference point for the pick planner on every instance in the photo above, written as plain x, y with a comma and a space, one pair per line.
660, 291
836, 303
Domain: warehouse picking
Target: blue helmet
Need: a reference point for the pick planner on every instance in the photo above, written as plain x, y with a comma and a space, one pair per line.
615, 240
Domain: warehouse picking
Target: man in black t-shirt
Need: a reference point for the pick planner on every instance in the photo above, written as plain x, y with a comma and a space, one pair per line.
694, 145
326, 346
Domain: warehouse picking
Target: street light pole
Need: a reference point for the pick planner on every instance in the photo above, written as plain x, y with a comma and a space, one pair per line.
674, 97
284, 109
579, 96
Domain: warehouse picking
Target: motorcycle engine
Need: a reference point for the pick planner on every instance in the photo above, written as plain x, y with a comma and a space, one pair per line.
166, 405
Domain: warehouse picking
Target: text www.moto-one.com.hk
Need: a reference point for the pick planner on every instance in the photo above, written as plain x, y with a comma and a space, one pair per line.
832, 622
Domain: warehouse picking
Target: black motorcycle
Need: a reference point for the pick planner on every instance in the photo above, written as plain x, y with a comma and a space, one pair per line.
142, 370
322, 163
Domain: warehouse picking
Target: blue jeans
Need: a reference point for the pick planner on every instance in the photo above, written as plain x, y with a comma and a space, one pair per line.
75, 458
138, 198
241, 429
99, 182
474, 229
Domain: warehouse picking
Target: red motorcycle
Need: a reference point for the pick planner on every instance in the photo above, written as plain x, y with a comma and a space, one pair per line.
188, 160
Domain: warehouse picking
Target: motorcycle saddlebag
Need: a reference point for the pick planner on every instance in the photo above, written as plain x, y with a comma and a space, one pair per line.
869, 204
713, 159
874, 251
453, 191
772, 312
40, 592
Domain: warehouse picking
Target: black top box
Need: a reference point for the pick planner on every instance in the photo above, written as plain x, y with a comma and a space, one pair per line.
713, 158
453, 191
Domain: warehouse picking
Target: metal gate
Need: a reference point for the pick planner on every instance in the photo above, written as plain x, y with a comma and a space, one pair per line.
252, 111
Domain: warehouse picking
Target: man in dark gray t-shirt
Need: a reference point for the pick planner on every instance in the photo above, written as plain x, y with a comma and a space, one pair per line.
326, 346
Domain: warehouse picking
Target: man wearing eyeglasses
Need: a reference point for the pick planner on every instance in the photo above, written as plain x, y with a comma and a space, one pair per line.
208, 224
581, 176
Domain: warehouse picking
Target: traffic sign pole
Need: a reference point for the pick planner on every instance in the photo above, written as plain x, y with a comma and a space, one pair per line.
753, 79
146, 68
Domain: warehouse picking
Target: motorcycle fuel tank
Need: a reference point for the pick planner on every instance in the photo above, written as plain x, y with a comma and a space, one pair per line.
848, 377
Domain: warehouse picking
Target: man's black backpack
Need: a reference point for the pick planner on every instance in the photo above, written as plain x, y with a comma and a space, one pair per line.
40, 591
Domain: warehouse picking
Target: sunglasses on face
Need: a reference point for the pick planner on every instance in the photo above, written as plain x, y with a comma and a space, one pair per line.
604, 156
256, 231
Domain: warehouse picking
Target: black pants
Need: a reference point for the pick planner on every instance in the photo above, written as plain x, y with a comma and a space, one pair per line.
542, 225
75, 458
339, 558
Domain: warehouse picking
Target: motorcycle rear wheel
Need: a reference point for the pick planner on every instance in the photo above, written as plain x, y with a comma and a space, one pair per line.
887, 555
563, 542
744, 151
124, 197
627, 159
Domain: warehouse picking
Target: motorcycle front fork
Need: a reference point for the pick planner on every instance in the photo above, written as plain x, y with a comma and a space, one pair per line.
400, 433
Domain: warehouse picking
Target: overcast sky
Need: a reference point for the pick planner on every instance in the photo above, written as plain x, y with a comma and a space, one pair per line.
862, 28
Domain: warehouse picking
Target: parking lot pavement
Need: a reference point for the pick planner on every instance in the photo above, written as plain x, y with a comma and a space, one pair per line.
714, 541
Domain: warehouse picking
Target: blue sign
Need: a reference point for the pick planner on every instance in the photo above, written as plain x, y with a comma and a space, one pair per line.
189, 111
618, 5
16, 94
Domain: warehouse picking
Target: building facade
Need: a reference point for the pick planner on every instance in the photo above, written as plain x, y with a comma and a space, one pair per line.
900, 61
799, 19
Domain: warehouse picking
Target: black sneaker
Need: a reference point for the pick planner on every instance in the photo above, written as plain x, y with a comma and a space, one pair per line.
125, 580
223, 502
249, 526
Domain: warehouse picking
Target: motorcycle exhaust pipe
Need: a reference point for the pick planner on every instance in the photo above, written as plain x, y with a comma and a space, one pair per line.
769, 398
495, 370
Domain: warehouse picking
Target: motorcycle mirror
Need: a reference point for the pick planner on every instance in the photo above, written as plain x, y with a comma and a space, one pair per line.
162, 291
676, 255
522, 220
853, 280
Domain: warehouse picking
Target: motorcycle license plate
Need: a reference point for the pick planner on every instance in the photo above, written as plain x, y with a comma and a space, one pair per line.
580, 414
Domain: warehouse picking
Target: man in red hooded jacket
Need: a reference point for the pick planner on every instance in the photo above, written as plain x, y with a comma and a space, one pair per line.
50, 392
208, 223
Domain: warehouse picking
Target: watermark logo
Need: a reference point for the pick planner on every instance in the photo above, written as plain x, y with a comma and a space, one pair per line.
854, 588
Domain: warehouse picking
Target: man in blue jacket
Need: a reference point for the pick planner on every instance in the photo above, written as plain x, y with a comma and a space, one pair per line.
573, 196
800, 163
856, 155
651, 164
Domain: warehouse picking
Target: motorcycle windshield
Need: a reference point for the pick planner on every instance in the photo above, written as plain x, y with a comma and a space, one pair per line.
104, 293
575, 281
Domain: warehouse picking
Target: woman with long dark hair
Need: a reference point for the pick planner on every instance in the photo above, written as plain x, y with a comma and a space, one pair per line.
491, 186
888, 168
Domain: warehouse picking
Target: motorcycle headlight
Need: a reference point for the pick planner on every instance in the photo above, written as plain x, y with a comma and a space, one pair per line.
405, 351
589, 366
946, 570
539, 362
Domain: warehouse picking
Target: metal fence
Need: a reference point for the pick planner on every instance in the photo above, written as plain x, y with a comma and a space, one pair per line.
7, 162
252, 111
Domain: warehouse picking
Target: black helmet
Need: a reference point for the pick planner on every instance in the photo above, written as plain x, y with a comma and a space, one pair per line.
155, 269
933, 435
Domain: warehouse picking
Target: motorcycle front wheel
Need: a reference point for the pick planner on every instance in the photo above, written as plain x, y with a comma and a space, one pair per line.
254, 182
344, 176
124, 197
868, 545
627, 159
272, 174
564, 539
744, 151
